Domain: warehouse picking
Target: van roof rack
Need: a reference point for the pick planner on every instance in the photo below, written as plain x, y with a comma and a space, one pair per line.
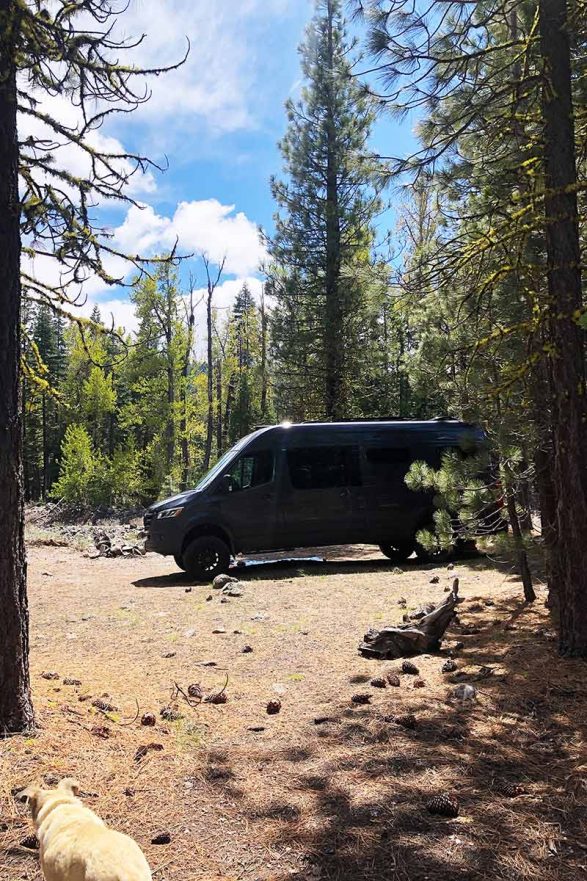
362, 419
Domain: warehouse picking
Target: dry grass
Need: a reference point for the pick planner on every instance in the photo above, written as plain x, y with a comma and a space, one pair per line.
344, 799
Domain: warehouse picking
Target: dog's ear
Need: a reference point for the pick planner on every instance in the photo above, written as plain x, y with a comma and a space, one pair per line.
68, 784
31, 796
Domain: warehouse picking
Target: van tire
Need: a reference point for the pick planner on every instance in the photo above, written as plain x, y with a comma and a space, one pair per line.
397, 553
206, 557
179, 561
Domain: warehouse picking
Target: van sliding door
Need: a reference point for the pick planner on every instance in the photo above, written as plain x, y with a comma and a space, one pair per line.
318, 494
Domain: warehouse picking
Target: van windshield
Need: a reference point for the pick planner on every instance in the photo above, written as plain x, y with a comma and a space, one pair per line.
221, 464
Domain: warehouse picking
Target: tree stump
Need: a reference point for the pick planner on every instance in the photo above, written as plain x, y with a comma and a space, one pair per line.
407, 640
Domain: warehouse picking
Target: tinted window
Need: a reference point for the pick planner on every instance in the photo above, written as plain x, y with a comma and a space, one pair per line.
323, 467
252, 470
387, 455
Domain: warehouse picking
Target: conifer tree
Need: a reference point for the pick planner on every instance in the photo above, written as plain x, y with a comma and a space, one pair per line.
321, 252
64, 48
493, 83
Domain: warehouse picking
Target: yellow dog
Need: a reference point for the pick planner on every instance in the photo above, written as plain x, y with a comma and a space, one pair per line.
75, 844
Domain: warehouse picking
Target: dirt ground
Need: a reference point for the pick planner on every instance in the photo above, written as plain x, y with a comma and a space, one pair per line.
326, 789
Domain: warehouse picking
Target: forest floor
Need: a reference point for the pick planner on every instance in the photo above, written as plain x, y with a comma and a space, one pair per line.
326, 789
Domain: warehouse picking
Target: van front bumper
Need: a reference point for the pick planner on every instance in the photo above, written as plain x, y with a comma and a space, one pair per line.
163, 536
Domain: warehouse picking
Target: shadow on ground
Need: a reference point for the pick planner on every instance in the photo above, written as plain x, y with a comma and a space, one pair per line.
279, 568
355, 804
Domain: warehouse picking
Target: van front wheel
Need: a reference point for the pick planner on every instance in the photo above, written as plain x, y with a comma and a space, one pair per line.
206, 557
397, 553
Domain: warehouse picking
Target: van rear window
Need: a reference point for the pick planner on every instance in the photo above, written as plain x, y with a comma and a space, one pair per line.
323, 467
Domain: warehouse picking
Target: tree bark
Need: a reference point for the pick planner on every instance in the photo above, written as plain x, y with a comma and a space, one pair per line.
16, 711
522, 556
168, 331
333, 342
567, 362
210, 419
219, 432
264, 376
185, 372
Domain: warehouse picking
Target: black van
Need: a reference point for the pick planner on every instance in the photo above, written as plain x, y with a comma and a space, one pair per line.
308, 485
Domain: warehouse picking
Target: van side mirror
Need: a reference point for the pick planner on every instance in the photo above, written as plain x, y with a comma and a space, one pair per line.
226, 483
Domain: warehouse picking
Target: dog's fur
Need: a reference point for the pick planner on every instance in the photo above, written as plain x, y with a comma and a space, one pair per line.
75, 844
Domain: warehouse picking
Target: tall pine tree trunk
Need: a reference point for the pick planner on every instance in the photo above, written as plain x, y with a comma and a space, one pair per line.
45, 484
333, 329
16, 712
219, 432
210, 418
264, 376
565, 302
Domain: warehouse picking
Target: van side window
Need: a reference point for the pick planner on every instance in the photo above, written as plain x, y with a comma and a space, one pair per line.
323, 467
388, 455
252, 470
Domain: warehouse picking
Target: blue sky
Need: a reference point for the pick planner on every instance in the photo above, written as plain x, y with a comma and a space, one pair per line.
217, 120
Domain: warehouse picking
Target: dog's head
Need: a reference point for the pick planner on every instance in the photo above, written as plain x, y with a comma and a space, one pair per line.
36, 797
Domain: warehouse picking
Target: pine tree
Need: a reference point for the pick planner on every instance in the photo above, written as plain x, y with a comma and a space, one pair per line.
498, 135
321, 252
63, 48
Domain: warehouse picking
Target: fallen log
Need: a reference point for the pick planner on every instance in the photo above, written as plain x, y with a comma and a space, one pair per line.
407, 640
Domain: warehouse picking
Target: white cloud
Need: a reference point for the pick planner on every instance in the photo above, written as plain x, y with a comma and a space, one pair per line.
204, 226
120, 311
219, 80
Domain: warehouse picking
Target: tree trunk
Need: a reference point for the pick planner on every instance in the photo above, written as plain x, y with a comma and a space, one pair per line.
522, 557
210, 419
45, 450
16, 712
264, 377
333, 329
185, 373
219, 433
567, 363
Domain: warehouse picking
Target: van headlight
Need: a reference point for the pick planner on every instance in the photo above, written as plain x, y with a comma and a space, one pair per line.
168, 513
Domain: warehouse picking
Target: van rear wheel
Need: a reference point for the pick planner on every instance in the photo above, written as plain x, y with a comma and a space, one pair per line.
206, 557
397, 552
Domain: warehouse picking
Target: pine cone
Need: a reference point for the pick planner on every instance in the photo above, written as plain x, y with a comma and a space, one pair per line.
273, 707
104, 705
448, 666
219, 697
419, 683
410, 668
148, 719
170, 714
378, 682
195, 690
361, 698
443, 805
510, 789
393, 679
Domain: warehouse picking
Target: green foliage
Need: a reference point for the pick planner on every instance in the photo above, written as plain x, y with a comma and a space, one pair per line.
78, 467
463, 495
328, 285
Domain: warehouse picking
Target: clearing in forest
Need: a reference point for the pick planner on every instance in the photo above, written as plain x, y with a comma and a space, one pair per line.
327, 788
